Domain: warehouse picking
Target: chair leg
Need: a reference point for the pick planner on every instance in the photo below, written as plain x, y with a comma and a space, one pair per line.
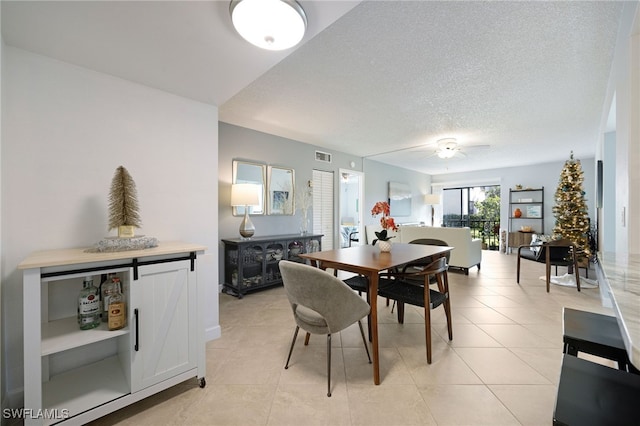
427, 328
400, 312
293, 342
364, 340
328, 364
548, 276
447, 311
577, 272
518, 271
306, 339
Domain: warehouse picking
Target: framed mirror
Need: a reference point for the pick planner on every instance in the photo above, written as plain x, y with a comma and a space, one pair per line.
255, 173
281, 191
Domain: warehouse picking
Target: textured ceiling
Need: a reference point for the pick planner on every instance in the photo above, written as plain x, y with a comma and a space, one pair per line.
526, 78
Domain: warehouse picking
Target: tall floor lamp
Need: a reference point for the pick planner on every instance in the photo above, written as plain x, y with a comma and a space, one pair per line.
433, 200
245, 195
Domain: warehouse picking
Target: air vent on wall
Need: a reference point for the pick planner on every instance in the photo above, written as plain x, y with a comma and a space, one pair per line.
323, 156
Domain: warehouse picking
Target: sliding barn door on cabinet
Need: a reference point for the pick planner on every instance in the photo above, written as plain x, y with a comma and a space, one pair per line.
163, 317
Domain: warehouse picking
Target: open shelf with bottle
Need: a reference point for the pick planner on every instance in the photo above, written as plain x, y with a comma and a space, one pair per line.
252, 264
526, 215
76, 375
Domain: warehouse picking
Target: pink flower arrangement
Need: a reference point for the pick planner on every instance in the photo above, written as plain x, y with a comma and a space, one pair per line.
387, 222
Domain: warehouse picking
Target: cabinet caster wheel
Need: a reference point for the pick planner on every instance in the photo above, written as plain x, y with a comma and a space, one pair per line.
202, 382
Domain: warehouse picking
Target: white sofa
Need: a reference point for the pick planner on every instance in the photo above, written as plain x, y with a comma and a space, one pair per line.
467, 251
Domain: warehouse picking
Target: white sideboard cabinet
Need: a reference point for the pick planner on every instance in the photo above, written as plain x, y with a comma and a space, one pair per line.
75, 376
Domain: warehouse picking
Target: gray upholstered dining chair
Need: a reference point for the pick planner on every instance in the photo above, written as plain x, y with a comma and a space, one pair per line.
321, 304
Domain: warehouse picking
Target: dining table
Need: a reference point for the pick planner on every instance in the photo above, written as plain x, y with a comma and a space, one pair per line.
369, 261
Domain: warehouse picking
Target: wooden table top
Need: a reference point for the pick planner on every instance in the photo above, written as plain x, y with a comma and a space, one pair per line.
61, 257
368, 257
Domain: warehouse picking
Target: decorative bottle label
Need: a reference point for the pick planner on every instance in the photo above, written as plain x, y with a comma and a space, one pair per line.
117, 309
116, 316
88, 305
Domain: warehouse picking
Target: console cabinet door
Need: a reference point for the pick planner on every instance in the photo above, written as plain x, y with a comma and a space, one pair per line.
162, 314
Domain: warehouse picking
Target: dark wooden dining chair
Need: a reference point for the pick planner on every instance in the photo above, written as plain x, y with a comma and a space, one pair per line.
403, 288
552, 253
420, 264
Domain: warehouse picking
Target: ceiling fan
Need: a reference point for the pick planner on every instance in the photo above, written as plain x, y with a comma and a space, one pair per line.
449, 148
445, 148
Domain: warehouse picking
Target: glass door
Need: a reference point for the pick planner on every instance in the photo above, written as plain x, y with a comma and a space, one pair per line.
350, 212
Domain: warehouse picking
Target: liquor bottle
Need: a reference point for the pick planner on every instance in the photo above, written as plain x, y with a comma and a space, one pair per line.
106, 289
117, 311
89, 305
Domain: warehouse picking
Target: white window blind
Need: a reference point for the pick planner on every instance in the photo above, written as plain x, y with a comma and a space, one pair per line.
323, 207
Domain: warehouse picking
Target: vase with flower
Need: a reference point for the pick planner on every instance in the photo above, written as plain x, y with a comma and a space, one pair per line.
387, 222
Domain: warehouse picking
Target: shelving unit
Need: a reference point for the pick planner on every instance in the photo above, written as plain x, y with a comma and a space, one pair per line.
75, 376
531, 204
252, 264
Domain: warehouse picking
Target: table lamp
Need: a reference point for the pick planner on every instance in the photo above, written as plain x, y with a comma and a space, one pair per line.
433, 200
245, 195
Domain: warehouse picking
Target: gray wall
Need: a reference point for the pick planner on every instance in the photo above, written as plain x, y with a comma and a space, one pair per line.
545, 175
238, 143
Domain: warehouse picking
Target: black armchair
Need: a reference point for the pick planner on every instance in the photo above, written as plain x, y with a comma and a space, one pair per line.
553, 253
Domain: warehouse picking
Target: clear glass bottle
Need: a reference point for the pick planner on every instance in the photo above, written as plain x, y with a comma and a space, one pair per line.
89, 305
116, 306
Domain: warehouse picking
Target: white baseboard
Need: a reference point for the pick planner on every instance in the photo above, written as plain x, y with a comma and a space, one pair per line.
212, 333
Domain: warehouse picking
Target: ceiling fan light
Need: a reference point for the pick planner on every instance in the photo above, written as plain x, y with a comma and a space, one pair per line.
446, 153
269, 24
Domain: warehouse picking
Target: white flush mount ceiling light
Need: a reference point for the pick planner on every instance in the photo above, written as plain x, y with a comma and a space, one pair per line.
269, 24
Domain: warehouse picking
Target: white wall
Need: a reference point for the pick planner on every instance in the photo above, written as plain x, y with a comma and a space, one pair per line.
609, 194
624, 90
65, 131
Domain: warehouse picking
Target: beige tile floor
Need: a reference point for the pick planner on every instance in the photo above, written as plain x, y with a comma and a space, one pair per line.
501, 368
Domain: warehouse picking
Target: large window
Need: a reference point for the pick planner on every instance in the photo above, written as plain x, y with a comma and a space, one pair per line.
476, 207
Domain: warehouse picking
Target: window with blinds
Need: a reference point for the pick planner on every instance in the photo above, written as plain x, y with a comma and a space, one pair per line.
323, 207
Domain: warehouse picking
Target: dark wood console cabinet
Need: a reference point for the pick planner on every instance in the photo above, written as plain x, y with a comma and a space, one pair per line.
252, 264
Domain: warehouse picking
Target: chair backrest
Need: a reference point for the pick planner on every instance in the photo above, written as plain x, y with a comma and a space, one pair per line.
559, 250
432, 242
323, 293
435, 269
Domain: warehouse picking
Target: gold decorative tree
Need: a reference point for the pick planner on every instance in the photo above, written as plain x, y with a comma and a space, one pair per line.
123, 204
570, 210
